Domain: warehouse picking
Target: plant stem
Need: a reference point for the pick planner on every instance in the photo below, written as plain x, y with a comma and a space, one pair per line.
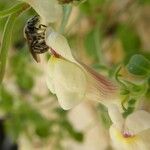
97, 39
67, 11
97, 43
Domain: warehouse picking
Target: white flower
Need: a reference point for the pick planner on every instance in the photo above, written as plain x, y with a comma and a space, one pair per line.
132, 133
71, 80
49, 10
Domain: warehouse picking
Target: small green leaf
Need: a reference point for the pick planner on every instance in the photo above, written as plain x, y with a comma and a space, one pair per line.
128, 111
79, 136
139, 65
137, 90
104, 116
131, 102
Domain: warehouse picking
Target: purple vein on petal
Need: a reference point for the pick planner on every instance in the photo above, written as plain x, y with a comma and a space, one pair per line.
101, 85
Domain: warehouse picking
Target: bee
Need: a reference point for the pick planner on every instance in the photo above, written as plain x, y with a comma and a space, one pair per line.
34, 33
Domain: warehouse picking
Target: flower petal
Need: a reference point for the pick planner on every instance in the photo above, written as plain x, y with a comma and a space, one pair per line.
116, 116
59, 44
49, 10
100, 88
50, 74
116, 138
138, 121
145, 139
70, 83
137, 142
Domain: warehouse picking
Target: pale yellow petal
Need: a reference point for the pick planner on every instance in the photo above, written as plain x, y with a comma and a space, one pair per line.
50, 74
116, 116
144, 138
116, 139
59, 44
138, 121
49, 10
100, 88
70, 83
137, 142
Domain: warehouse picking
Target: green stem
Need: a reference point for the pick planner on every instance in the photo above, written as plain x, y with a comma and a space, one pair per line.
123, 102
7, 39
12, 10
97, 43
67, 11
117, 78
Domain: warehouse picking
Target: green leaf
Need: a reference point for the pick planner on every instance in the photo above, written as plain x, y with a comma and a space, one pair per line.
128, 111
5, 44
90, 45
132, 102
139, 65
13, 9
7, 39
130, 40
104, 116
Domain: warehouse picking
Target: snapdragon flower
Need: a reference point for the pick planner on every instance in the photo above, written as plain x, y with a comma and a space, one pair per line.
132, 133
73, 81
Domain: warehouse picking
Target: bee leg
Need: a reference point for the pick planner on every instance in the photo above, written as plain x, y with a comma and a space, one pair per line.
42, 25
42, 28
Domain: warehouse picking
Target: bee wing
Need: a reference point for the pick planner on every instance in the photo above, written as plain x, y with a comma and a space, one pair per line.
35, 55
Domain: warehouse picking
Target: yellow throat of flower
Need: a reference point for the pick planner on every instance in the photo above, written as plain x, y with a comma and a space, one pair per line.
53, 59
124, 138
